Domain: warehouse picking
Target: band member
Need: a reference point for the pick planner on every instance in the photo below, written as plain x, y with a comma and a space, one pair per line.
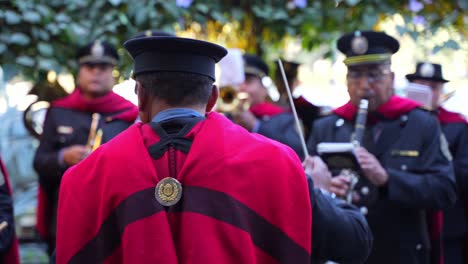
404, 160
73, 123
186, 185
264, 117
455, 129
8, 242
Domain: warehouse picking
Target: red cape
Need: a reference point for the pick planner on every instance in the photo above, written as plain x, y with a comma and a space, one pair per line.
12, 255
266, 109
395, 107
447, 117
97, 195
109, 103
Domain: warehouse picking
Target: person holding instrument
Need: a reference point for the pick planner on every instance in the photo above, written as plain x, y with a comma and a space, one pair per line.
455, 128
186, 185
404, 161
76, 124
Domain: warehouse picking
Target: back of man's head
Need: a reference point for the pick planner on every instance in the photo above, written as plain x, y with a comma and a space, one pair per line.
177, 88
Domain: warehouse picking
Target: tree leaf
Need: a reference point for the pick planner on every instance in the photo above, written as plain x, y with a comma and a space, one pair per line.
352, 2
25, 61
45, 49
437, 48
280, 15
3, 47
115, 2
452, 44
19, 39
47, 64
31, 16
12, 18
43, 10
202, 8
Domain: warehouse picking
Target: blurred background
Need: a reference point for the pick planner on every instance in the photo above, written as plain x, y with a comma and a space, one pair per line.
38, 40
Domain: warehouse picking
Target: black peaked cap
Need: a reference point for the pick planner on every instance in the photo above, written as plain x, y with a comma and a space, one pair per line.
174, 54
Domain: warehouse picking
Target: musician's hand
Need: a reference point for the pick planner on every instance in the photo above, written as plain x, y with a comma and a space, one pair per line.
371, 167
340, 185
318, 170
245, 119
74, 154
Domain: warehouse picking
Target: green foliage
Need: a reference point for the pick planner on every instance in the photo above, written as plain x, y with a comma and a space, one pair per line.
41, 35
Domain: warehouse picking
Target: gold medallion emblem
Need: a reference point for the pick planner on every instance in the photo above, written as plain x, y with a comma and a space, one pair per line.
359, 43
97, 50
168, 191
427, 70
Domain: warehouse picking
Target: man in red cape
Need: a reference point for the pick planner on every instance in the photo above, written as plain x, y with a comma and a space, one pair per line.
455, 128
8, 242
187, 185
405, 169
69, 129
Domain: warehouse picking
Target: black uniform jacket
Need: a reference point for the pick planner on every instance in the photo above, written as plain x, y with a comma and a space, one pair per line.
282, 128
340, 232
63, 128
420, 177
455, 129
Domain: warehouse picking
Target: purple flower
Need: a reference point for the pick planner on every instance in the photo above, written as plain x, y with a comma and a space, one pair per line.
300, 3
184, 3
419, 20
415, 6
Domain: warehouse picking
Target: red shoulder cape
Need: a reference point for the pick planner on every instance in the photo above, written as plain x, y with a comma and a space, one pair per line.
393, 108
12, 255
223, 162
447, 117
266, 109
109, 103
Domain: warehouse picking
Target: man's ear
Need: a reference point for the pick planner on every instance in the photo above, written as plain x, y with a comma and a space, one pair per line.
142, 97
213, 98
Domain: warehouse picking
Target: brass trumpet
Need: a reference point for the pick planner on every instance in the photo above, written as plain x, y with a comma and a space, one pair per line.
231, 100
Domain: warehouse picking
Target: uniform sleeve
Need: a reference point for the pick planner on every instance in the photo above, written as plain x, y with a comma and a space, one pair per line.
340, 232
282, 128
431, 183
46, 160
6, 215
460, 159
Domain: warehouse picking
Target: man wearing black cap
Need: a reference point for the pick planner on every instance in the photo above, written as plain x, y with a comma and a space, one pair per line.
186, 185
404, 163
455, 129
264, 117
75, 125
